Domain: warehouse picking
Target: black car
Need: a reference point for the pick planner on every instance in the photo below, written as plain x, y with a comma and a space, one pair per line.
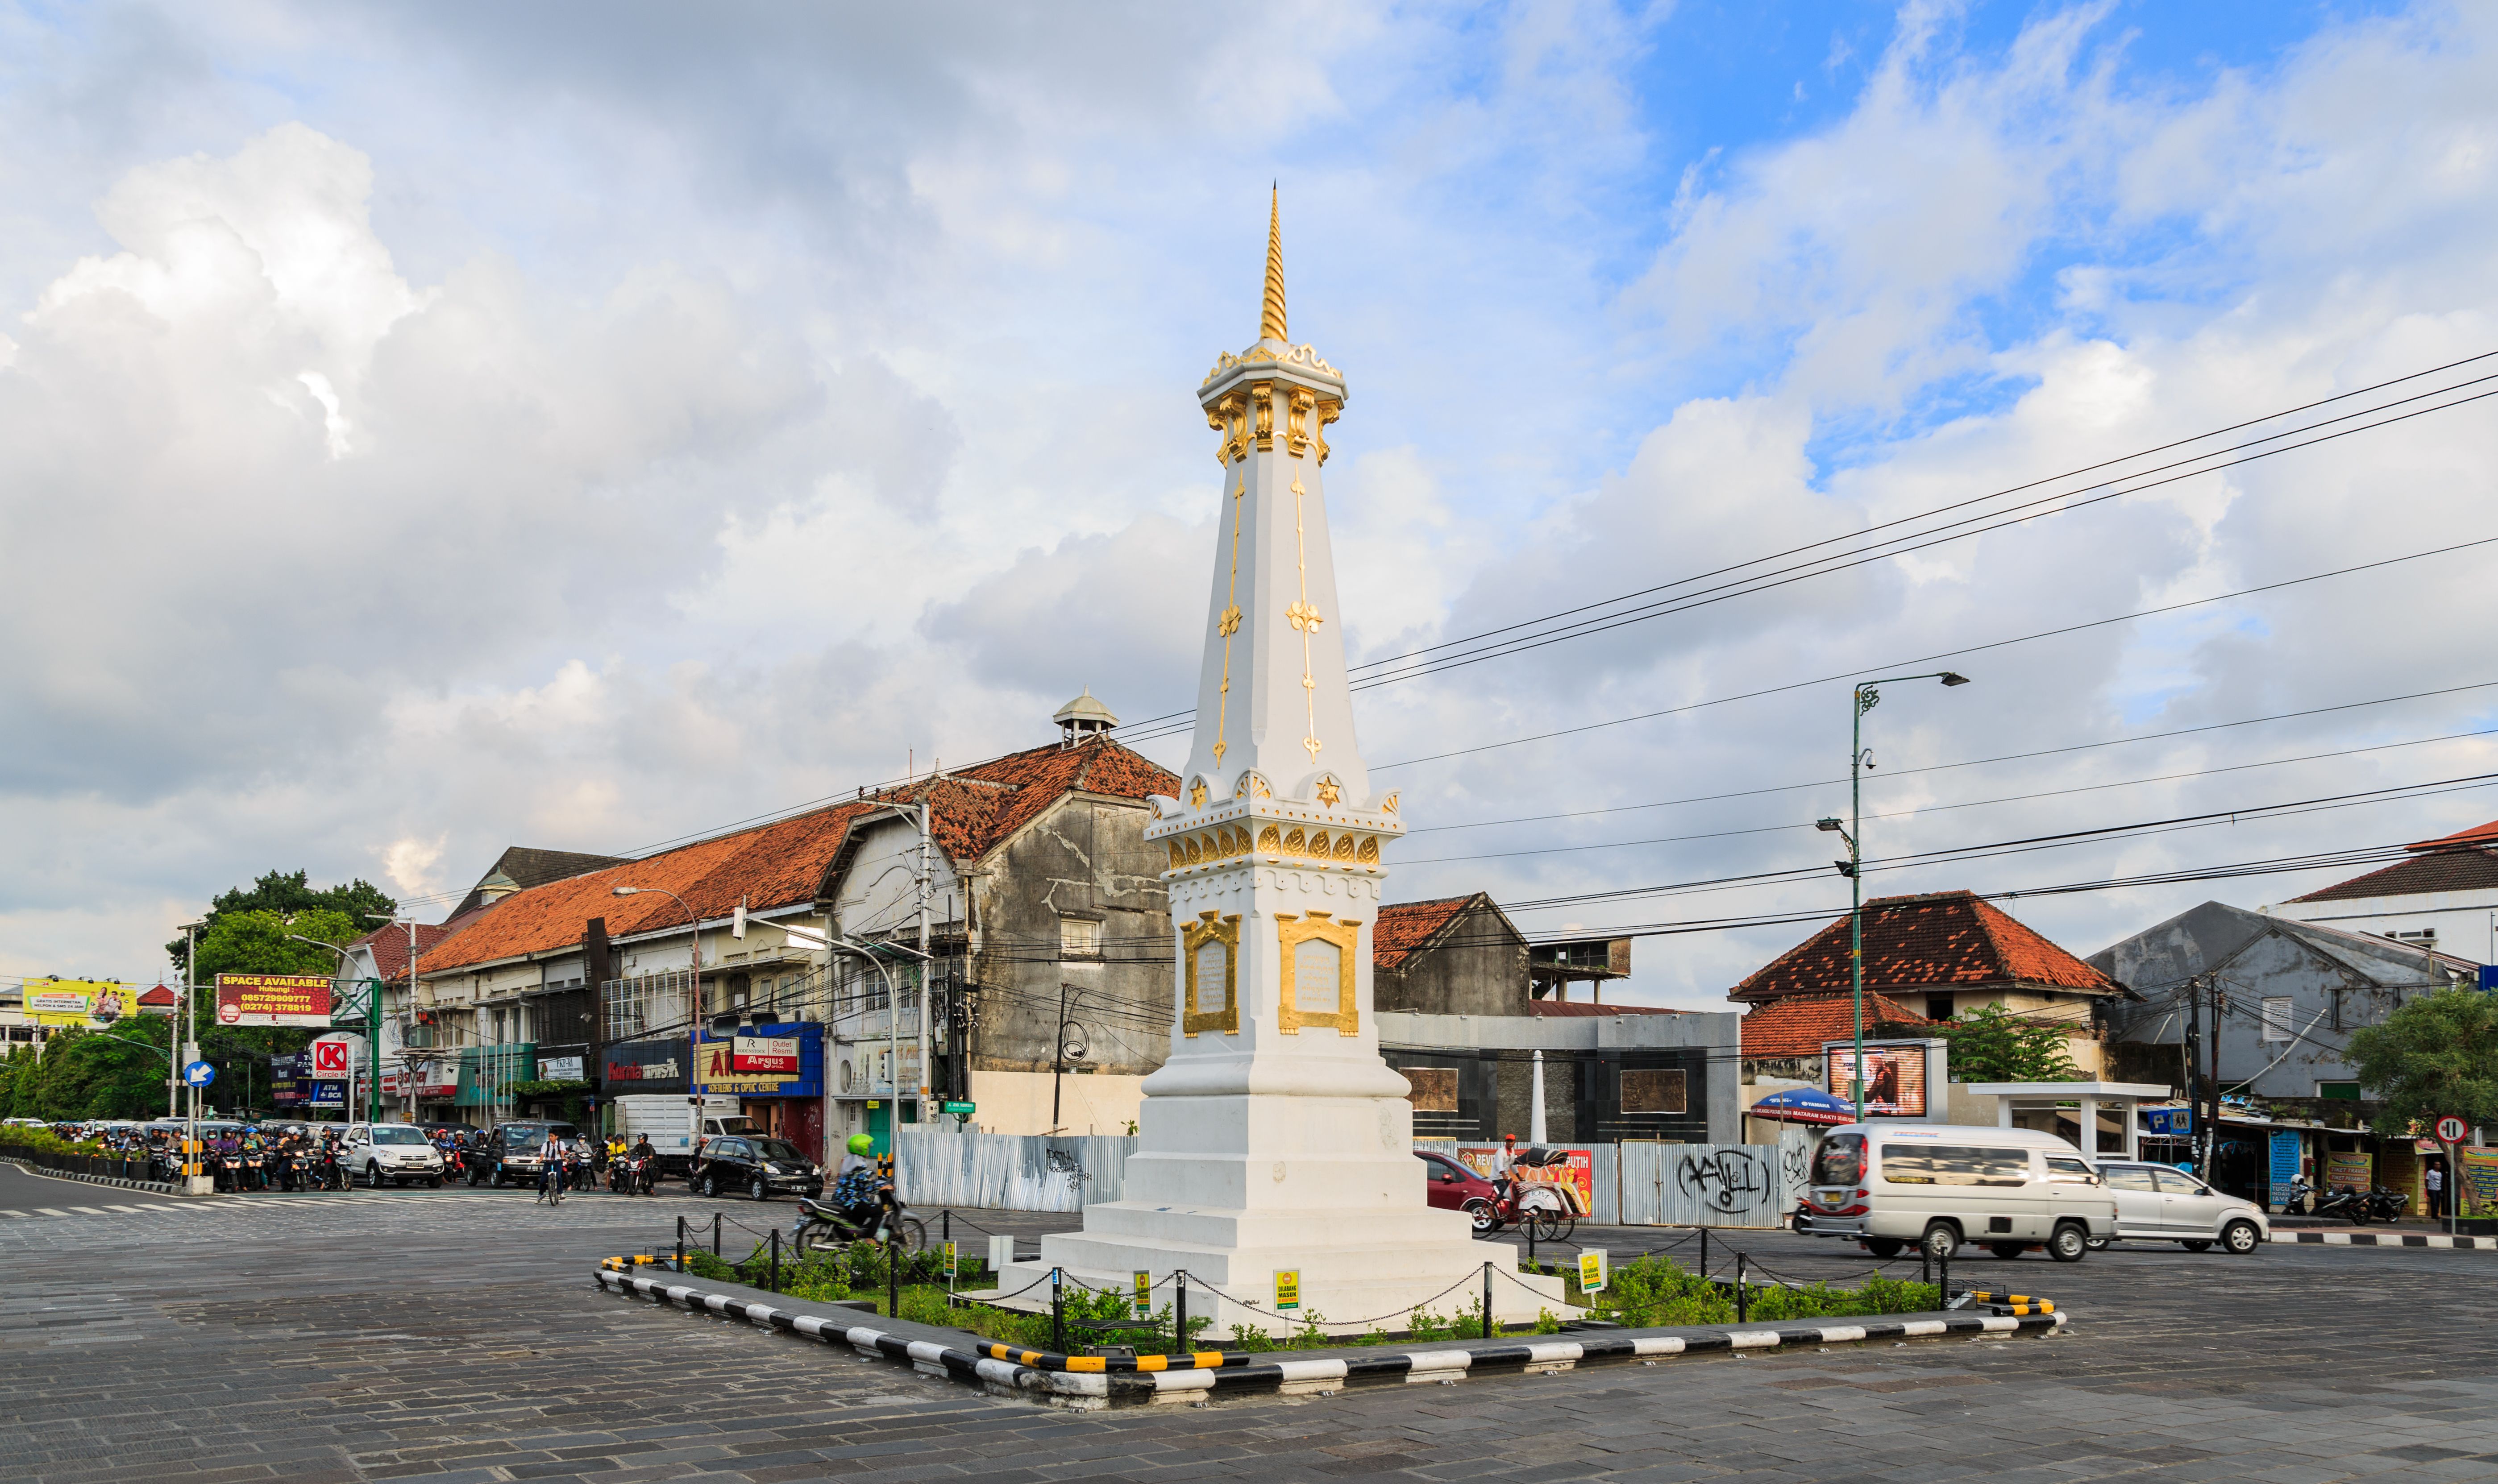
761, 1166
516, 1151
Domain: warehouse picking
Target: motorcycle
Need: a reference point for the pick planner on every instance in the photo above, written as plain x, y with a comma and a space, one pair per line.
641, 1174
821, 1225
2301, 1193
2386, 1205
2343, 1205
229, 1173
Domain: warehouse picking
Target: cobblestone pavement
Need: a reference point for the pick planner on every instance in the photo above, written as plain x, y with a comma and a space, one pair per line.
454, 1336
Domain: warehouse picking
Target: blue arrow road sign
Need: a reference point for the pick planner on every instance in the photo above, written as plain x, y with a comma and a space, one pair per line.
198, 1074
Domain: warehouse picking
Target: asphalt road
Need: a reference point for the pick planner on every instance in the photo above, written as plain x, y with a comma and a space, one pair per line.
454, 1336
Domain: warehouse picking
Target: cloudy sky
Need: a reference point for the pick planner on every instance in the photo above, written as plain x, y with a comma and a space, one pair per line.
429, 428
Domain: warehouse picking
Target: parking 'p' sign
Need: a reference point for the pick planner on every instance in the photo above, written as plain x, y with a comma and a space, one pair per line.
2450, 1130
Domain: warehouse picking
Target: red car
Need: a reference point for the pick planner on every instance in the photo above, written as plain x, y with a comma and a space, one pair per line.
1451, 1187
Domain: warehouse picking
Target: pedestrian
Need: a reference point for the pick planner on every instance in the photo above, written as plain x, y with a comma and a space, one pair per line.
2434, 1178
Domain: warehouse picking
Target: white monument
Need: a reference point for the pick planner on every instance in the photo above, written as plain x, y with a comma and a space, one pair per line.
1275, 1139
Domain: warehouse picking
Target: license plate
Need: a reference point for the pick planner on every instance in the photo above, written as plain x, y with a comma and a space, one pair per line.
1830, 1200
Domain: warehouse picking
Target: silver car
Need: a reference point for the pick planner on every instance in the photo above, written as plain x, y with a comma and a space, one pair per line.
2161, 1203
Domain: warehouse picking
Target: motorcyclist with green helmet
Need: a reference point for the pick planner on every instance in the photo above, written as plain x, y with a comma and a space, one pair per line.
854, 1183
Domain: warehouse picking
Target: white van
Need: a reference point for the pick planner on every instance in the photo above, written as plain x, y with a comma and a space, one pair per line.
2006, 1189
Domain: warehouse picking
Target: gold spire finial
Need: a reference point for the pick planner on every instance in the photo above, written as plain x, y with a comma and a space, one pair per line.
1270, 319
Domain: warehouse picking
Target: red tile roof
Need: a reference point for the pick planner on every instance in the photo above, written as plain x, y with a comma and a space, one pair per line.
1579, 1009
159, 996
1797, 1025
2464, 869
1936, 940
1409, 924
389, 946
2478, 835
785, 862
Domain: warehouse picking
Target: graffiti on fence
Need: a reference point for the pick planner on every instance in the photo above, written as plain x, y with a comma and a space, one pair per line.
1795, 1159
1728, 1179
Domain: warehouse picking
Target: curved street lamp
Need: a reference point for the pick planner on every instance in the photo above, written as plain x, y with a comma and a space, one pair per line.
1859, 759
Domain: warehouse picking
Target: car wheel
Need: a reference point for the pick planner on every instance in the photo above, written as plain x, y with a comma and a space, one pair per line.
436, 1182
1941, 1240
758, 1190
2203, 1246
2068, 1244
2240, 1238
2007, 1250
372, 1177
1884, 1247
1479, 1211
710, 1188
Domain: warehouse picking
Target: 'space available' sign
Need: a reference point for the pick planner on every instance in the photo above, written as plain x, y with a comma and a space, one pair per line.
273, 1000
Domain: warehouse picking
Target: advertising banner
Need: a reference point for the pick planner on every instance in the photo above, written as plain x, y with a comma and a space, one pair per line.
718, 1071
777, 1055
89, 1004
273, 999
326, 1095
2479, 1185
1894, 1076
2352, 1172
288, 1087
559, 1068
1574, 1177
2286, 1149
631, 1067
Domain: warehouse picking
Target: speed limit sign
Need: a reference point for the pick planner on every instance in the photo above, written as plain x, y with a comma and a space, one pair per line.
2450, 1130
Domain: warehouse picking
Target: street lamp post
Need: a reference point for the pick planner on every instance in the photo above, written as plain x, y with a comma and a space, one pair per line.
693, 1022
1864, 699
373, 1024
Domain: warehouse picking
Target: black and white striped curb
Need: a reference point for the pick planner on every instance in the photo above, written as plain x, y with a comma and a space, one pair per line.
1086, 1381
160, 1187
2387, 1239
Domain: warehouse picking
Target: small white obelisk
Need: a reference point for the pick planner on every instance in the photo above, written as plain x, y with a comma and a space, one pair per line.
1275, 1139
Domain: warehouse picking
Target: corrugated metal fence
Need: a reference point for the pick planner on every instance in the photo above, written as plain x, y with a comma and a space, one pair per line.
1634, 1184
1010, 1172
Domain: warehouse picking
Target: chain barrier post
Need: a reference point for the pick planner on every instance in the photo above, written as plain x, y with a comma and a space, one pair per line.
681, 1244
775, 1284
715, 1233
1057, 1313
1942, 1264
1179, 1313
1487, 1300
1704, 1251
892, 1281
1743, 1309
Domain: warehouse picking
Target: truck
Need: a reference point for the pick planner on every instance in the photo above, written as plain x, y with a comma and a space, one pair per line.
665, 1119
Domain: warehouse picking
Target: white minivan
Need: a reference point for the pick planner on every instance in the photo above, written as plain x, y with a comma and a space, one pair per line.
2005, 1189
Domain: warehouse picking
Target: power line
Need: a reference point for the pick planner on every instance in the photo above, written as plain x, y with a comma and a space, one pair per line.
2006, 757
1150, 728
1937, 809
2000, 644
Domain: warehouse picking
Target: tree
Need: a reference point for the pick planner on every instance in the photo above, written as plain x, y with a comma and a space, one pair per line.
1990, 1043
291, 893
2437, 1054
261, 941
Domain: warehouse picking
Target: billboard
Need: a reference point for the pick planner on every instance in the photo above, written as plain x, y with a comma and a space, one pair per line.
716, 1069
89, 1004
1574, 1175
2477, 1188
1894, 1078
273, 999
777, 1055
333, 1057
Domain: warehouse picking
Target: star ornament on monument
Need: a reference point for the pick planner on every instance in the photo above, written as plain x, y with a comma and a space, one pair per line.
1275, 1139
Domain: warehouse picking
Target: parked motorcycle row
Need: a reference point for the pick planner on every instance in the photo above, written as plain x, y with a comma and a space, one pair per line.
2348, 1204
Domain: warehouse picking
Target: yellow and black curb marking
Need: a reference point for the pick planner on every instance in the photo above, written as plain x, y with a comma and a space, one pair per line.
2014, 1303
627, 1264
1087, 1381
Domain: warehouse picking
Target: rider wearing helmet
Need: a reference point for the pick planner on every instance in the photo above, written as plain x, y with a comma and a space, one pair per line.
854, 1183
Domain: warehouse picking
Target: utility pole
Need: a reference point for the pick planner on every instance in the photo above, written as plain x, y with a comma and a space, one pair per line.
2194, 1061
925, 964
2210, 1131
1864, 698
